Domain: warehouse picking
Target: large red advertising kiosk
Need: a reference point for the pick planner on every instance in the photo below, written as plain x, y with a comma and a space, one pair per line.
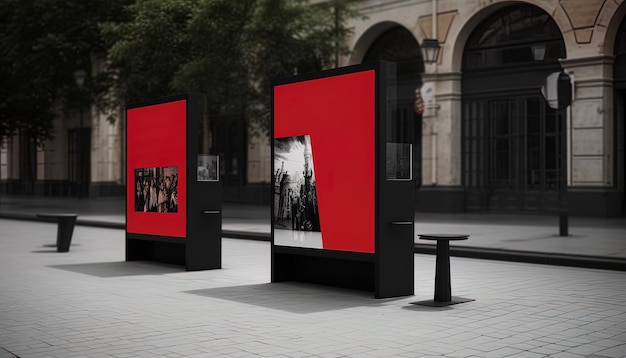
173, 199
343, 191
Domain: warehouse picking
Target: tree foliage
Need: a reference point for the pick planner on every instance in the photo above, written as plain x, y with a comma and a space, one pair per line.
293, 37
42, 43
227, 50
147, 49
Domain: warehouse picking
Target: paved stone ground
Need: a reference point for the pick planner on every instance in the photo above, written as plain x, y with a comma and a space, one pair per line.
90, 303
600, 237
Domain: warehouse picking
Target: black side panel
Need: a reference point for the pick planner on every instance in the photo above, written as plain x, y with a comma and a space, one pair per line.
331, 271
394, 198
204, 202
171, 251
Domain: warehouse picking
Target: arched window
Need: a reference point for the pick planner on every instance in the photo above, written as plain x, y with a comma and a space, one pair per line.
619, 74
620, 40
620, 56
513, 36
510, 137
398, 45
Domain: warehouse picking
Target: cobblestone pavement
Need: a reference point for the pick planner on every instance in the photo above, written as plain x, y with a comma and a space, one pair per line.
594, 237
89, 302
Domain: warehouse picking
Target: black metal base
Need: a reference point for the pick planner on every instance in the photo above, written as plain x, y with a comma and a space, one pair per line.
432, 303
65, 229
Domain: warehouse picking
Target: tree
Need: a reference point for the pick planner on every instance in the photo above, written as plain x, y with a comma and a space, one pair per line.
227, 50
290, 37
42, 43
146, 48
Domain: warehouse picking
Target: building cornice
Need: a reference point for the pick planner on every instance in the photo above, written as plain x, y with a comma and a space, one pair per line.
587, 61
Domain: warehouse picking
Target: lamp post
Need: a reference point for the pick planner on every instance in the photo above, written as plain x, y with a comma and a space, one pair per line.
564, 94
539, 51
430, 50
79, 77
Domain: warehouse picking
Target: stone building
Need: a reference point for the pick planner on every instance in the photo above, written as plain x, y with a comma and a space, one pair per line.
487, 140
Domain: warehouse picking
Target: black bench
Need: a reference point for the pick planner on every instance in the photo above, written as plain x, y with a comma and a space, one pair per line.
443, 289
65, 229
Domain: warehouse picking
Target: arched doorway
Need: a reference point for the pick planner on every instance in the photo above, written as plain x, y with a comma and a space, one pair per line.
397, 44
619, 74
510, 135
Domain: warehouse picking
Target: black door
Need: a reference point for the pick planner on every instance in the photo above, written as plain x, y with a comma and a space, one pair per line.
230, 142
509, 135
79, 161
27, 166
510, 153
620, 144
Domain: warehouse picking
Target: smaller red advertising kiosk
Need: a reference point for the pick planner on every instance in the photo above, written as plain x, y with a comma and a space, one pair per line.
343, 191
173, 192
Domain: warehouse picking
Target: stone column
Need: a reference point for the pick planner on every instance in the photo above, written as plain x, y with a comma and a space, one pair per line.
441, 131
591, 140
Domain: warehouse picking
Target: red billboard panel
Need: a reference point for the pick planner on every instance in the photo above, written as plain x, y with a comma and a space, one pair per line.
324, 163
156, 169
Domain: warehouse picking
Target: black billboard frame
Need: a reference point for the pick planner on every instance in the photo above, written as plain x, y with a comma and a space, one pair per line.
201, 248
389, 271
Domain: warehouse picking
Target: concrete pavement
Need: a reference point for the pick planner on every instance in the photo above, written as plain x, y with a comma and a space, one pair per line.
89, 302
593, 242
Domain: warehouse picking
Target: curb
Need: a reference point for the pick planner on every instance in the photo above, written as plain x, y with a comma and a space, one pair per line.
532, 257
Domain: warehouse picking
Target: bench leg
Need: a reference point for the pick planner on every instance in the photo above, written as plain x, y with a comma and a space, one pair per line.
65, 230
443, 290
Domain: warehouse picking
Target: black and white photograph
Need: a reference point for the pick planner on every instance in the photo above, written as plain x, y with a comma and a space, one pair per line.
156, 189
399, 160
208, 167
295, 193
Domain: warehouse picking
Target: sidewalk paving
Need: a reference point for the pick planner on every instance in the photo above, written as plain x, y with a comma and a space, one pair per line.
89, 302
593, 242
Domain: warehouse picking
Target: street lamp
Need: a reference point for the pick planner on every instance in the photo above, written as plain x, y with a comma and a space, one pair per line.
430, 50
539, 51
430, 55
79, 77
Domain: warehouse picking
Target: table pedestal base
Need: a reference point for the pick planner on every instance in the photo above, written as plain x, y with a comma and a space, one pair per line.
433, 303
443, 289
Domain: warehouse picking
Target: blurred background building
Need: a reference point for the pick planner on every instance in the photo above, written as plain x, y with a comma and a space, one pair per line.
486, 138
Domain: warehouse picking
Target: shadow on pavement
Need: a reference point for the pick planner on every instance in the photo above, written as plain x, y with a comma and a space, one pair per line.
121, 268
293, 297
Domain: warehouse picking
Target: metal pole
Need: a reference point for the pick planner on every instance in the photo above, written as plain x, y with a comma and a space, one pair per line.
563, 214
564, 91
337, 35
79, 152
1, 185
434, 21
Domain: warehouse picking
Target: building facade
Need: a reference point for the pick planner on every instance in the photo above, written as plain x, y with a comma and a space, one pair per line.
486, 141
489, 140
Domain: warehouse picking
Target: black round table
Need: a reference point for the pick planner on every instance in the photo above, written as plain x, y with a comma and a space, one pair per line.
443, 289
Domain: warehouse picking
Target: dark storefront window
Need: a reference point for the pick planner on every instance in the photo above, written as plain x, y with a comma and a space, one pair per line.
28, 164
79, 161
619, 71
400, 46
229, 132
514, 36
510, 134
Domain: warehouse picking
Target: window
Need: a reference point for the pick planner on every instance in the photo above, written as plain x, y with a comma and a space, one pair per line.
513, 36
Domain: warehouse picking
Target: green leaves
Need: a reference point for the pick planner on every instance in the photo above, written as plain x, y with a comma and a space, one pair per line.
147, 50
42, 43
229, 50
